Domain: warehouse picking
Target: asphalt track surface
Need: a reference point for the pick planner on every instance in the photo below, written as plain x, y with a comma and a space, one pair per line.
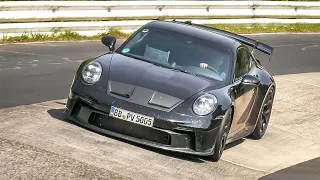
34, 82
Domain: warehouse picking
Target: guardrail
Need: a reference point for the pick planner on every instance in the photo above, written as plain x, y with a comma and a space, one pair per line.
98, 16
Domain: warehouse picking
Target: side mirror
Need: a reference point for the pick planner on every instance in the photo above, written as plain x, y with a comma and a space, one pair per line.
250, 80
109, 41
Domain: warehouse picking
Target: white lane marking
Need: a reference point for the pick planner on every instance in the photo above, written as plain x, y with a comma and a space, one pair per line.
16, 52
4, 59
67, 59
8, 62
51, 45
309, 47
17, 67
44, 44
35, 64
13, 67
284, 45
298, 81
299, 44
38, 42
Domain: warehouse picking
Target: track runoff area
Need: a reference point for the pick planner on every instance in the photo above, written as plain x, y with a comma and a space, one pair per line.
36, 142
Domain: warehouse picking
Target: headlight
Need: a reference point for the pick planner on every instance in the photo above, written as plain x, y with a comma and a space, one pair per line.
91, 73
205, 104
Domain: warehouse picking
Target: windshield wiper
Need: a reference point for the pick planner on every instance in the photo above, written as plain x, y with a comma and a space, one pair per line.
145, 59
162, 65
189, 72
184, 71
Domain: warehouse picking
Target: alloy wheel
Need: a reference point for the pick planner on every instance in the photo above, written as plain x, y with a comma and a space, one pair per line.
225, 135
266, 112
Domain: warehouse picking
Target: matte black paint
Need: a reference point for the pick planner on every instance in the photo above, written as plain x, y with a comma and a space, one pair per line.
143, 74
188, 132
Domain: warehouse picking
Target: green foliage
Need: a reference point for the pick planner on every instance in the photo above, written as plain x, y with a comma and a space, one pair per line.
114, 32
60, 36
63, 0
269, 28
69, 35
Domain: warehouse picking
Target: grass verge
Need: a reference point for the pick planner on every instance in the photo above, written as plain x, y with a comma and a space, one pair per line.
269, 28
60, 36
248, 29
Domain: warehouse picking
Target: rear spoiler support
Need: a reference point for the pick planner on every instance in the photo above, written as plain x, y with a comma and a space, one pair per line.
245, 40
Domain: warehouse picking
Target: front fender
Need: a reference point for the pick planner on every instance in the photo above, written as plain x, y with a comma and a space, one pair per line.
224, 103
104, 60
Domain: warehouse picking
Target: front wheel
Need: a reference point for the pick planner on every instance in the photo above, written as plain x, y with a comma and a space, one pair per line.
264, 116
222, 136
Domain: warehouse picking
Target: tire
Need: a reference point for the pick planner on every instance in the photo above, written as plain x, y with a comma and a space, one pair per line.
264, 116
222, 136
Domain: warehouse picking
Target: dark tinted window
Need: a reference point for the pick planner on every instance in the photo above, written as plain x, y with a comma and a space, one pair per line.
179, 51
243, 63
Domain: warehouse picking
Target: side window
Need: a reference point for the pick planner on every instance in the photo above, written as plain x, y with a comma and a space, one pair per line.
243, 63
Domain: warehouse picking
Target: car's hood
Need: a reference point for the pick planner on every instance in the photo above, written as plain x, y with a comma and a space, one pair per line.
145, 82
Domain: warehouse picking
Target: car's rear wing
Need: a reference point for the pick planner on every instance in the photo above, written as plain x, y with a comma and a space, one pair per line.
245, 40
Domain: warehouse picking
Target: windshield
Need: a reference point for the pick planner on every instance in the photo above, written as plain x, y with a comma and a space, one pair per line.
178, 51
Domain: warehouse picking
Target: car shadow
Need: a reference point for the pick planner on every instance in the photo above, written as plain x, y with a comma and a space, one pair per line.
58, 114
61, 103
233, 144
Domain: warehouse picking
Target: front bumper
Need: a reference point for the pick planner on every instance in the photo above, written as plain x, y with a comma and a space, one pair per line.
165, 135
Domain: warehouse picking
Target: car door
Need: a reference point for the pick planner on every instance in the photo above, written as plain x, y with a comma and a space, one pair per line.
243, 95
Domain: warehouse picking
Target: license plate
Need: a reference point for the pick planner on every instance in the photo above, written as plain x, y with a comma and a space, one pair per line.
131, 116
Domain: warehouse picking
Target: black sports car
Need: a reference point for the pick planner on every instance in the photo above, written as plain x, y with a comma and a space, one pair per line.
177, 86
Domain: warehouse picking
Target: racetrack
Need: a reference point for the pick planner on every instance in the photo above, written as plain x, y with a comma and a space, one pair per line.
34, 81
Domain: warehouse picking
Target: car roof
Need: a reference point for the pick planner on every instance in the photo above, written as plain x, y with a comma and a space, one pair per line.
184, 28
